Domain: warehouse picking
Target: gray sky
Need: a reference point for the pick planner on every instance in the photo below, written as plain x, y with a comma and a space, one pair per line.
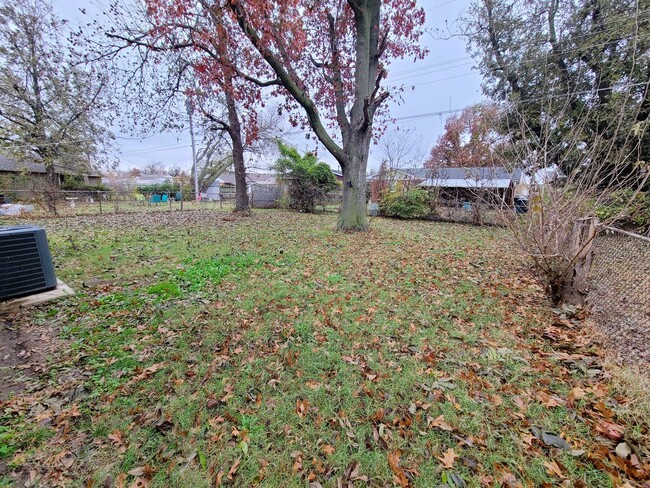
444, 80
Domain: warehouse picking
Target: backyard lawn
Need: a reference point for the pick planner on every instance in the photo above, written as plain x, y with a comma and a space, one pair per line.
204, 349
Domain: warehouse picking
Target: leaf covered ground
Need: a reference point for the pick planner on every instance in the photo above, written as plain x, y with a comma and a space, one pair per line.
203, 349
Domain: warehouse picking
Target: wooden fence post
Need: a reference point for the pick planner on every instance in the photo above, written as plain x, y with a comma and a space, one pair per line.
582, 250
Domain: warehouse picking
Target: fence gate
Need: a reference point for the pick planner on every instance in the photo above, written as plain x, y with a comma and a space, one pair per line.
265, 196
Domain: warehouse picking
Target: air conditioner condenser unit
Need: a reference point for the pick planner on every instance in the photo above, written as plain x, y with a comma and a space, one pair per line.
25, 261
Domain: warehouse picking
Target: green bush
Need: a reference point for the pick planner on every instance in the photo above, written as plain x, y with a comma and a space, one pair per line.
309, 180
409, 204
634, 215
168, 187
77, 183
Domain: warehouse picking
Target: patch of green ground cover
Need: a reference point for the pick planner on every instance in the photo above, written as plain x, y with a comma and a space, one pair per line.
307, 351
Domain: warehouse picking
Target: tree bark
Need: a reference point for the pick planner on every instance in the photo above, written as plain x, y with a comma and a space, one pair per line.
353, 215
242, 204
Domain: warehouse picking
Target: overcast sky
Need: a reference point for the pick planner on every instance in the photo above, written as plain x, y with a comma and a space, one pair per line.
445, 80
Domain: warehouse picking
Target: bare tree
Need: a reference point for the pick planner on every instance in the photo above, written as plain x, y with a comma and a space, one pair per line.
568, 181
401, 151
154, 168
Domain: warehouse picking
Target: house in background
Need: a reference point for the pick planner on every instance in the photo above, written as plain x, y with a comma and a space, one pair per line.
392, 179
146, 180
22, 176
456, 186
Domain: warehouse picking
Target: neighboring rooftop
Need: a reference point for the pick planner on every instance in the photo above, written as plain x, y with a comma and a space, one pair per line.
10, 165
228, 178
487, 177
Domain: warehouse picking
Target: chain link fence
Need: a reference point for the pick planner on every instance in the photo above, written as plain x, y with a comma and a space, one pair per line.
619, 292
16, 203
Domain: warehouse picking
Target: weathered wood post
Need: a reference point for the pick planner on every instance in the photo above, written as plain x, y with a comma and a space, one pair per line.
582, 249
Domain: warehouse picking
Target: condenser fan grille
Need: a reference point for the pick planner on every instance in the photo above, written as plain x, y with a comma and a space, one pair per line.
25, 262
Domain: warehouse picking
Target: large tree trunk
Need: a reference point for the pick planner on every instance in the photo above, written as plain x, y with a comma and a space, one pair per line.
242, 204
354, 215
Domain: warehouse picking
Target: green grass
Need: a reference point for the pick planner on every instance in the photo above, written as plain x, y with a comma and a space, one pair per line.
295, 352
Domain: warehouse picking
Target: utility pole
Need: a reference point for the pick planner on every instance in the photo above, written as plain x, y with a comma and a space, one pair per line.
188, 106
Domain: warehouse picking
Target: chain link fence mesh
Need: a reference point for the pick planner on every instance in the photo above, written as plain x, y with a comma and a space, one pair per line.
619, 293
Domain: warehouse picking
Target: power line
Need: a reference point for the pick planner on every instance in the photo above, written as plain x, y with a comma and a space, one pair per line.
548, 54
406, 77
525, 100
428, 66
462, 75
441, 5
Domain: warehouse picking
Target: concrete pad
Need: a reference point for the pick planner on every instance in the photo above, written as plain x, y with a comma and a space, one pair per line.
61, 290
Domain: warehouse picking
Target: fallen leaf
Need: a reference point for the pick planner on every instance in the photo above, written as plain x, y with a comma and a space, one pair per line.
448, 458
219, 478
549, 400
302, 408
611, 430
577, 393
233, 469
139, 483
139, 471
393, 462
550, 439
623, 450
120, 480
327, 449
439, 423
553, 469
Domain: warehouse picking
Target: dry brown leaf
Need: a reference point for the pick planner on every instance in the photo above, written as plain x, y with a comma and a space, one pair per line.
233, 469
577, 393
219, 478
439, 423
553, 469
302, 407
527, 438
327, 449
120, 480
139, 483
549, 400
611, 430
448, 458
68, 461
393, 462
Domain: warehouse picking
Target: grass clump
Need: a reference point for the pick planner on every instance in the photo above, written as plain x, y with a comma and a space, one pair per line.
198, 273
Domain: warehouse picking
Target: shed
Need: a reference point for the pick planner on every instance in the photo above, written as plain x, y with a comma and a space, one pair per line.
493, 183
222, 185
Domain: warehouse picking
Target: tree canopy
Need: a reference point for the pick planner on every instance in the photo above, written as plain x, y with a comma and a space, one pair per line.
469, 139
51, 101
573, 74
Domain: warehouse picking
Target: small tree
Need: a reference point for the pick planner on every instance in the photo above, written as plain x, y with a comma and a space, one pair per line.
560, 225
309, 180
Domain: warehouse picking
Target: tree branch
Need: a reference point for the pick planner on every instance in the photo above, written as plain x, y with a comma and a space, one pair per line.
337, 79
289, 84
